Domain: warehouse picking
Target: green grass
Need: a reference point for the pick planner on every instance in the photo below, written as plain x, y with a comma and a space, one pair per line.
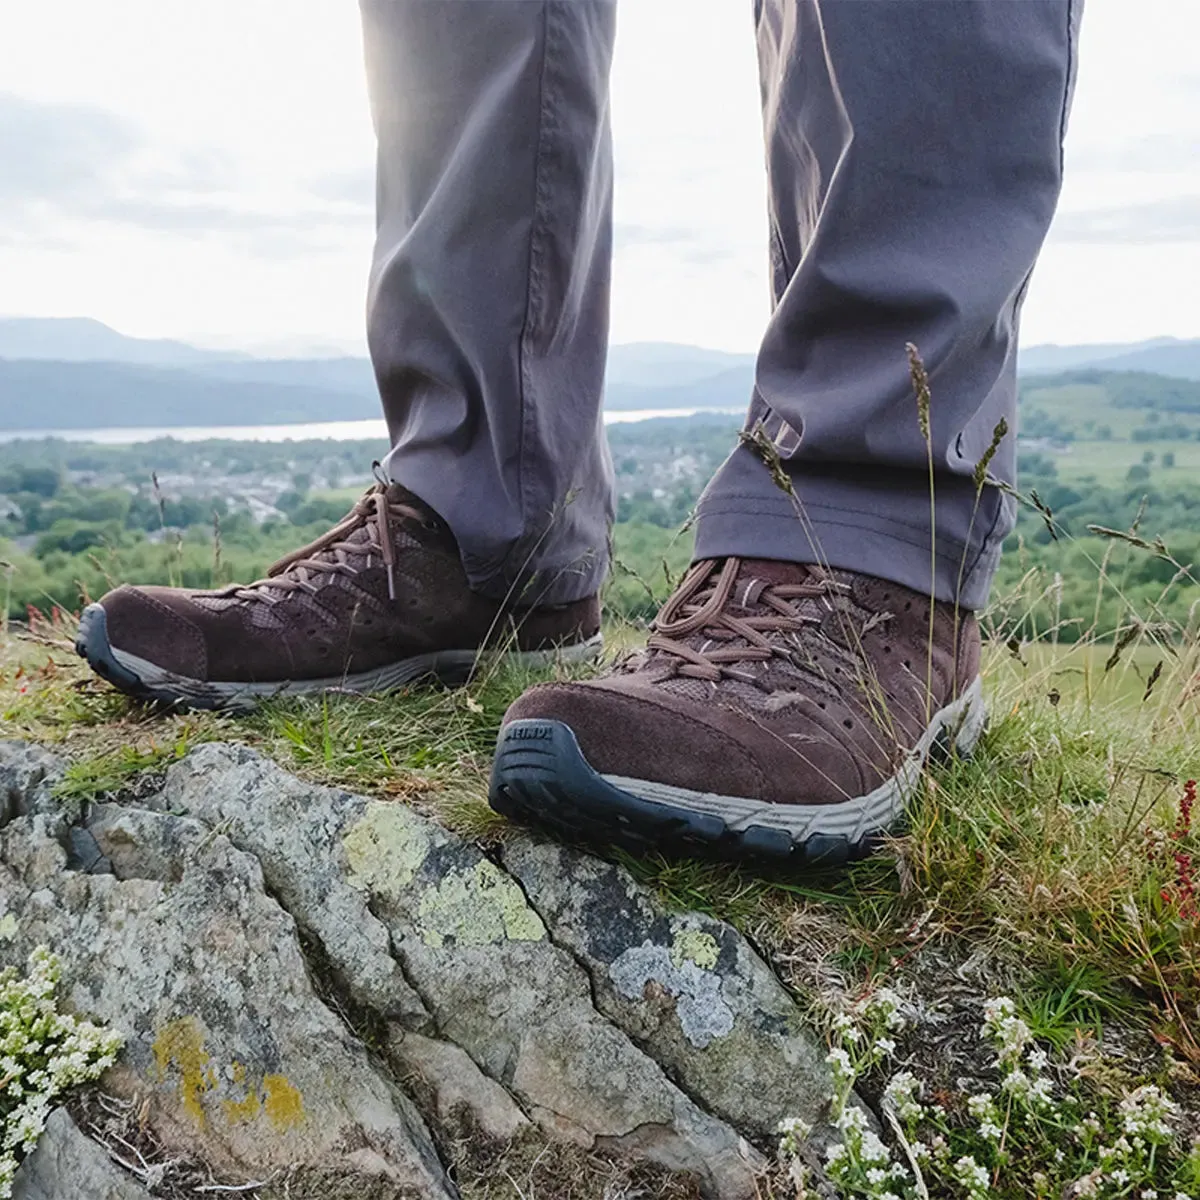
1046, 864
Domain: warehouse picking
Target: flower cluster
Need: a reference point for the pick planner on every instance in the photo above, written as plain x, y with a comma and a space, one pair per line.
1022, 1136
42, 1053
860, 1164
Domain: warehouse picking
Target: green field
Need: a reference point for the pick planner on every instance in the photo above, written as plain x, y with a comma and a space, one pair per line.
1100, 420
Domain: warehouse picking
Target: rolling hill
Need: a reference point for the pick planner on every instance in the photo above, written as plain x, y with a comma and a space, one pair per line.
59, 374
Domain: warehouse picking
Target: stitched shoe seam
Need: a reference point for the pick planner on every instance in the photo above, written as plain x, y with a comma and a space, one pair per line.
195, 635
642, 702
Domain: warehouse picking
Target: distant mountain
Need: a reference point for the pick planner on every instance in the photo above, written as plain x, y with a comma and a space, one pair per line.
351, 376
729, 388
96, 395
80, 339
1159, 356
669, 364
78, 374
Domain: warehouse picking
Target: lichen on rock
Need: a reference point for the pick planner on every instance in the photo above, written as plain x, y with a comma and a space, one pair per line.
252, 934
476, 906
385, 849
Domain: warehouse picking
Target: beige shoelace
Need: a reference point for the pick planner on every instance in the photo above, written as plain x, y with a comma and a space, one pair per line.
374, 512
701, 603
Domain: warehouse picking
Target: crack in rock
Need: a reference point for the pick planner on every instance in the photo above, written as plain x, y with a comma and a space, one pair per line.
488, 979
687, 988
184, 953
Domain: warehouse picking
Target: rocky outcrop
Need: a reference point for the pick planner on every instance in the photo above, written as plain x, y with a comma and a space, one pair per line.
312, 979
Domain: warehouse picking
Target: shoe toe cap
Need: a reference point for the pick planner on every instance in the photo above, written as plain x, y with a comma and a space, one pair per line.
155, 624
633, 737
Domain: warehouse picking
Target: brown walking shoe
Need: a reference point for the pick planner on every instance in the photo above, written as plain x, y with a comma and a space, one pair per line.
378, 601
778, 711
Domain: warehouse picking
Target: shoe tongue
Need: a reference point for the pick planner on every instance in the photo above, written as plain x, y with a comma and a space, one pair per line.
404, 531
772, 571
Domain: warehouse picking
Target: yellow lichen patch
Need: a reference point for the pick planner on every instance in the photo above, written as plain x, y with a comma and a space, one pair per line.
477, 907
282, 1102
180, 1044
8, 927
385, 849
239, 1112
695, 946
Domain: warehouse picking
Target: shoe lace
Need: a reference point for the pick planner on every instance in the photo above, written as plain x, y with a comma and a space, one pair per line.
332, 553
701, 606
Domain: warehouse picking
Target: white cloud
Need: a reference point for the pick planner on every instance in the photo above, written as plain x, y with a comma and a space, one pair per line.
180, 168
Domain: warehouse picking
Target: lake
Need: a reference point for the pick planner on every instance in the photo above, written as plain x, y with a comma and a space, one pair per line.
340, 431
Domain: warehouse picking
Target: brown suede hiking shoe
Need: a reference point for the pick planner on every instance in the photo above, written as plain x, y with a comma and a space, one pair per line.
379, 601
778, 711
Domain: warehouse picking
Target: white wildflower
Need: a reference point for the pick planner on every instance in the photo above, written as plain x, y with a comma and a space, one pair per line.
972, 1176
903, 1093
1148, 1113
793, 1132
33, 1031
990, 1131
839, 1060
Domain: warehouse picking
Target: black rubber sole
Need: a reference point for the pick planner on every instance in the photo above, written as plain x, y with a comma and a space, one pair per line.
541, 778
91, 644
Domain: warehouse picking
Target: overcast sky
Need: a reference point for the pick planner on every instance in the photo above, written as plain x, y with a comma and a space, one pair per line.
202, 170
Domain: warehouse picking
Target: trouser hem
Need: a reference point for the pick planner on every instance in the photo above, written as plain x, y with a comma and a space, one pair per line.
848, 540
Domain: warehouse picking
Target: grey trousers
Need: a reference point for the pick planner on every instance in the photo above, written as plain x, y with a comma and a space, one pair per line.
914, 158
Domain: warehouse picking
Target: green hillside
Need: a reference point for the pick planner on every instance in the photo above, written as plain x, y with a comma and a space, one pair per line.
1098, 424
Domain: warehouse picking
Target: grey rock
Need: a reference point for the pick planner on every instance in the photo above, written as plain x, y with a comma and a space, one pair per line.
456, 1087
687, 988
68, 1165
376, 884
27, 777
272, 815
252, 934
184, 952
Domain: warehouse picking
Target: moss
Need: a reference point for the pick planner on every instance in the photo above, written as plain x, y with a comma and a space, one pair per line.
477, 907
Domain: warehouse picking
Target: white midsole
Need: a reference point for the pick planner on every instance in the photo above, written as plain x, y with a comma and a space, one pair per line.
965, 719
381, 679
